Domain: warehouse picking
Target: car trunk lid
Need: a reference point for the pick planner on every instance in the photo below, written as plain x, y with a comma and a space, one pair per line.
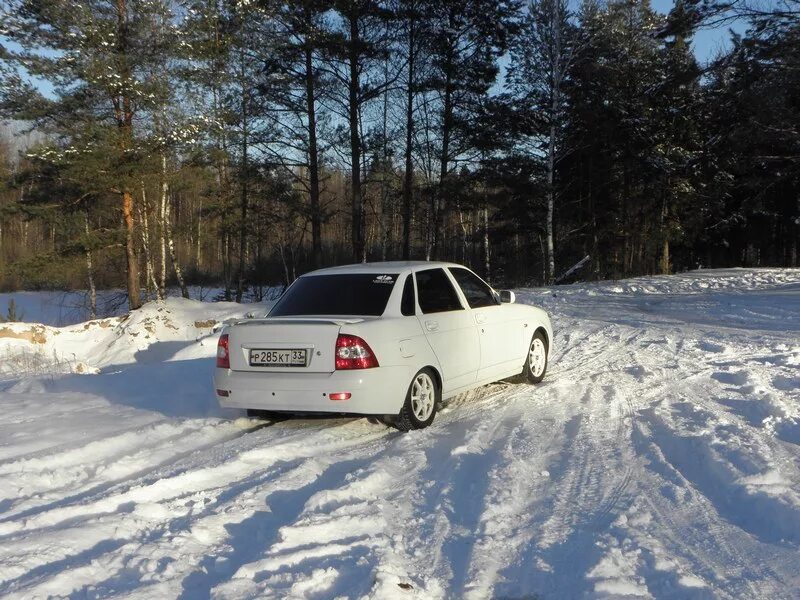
314, 335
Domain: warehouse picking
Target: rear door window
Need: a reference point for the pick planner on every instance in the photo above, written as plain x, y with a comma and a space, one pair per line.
476, 291
348, 294
435, 292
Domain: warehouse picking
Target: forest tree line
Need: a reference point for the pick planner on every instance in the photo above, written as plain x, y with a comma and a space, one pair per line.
244, 142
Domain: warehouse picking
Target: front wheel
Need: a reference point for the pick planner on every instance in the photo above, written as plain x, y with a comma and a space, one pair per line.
421, 402
535, 366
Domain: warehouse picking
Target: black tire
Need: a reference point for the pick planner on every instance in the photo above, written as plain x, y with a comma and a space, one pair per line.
267, 415
407, 419
527, 375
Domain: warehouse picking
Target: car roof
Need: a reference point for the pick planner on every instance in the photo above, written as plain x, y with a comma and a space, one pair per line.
398, 266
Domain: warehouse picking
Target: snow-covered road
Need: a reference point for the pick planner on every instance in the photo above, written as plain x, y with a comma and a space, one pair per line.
659, 458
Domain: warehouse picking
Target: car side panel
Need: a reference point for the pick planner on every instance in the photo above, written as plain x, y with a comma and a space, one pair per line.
531, 318
455, 343
494, 331
528, 319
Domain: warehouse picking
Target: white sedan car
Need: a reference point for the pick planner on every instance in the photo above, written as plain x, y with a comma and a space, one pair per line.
390, 339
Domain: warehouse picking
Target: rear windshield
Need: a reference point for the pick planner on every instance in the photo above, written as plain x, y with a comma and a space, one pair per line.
345, 294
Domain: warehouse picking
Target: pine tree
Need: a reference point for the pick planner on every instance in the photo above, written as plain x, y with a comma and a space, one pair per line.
677, 104
750, 159
95, 56
614, 167
361, 44
415, 41
543, 53
293, 87
226, 45
467, 38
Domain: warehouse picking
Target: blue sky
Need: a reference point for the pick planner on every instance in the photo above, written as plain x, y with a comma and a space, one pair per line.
706, 43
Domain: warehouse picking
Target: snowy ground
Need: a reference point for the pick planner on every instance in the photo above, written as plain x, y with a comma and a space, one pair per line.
660, 458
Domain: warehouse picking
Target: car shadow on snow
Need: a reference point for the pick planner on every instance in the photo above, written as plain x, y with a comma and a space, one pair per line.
161, 352
180, 388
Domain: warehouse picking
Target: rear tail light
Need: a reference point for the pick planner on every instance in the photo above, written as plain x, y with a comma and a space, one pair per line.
339, 396
223, 357
354, 353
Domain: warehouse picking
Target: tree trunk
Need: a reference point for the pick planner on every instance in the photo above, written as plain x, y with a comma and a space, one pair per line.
544, 259
664, 265
150, 277
486, 255
444, 165
408, 179
556, 60
221, 142
357, 209
199, 255
244, 198
124, 116
551, 160
134, 294
226, 265
171, 245
90, 273
285, 266
313, 156
162, 216
387, 212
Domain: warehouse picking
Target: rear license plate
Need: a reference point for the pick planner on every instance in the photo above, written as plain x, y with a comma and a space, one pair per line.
277, 358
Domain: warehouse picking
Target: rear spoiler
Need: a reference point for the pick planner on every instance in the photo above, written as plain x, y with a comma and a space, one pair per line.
302, 320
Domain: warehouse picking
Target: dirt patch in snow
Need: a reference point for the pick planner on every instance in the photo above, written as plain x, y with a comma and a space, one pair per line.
102, 323
34, 335
207, 324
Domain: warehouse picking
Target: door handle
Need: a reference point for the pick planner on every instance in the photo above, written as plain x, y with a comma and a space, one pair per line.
431, 325
480, 318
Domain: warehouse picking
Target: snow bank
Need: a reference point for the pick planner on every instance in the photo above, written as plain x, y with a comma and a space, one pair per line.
176, 329
692, 282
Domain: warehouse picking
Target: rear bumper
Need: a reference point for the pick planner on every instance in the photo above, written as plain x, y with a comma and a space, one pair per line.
379, 391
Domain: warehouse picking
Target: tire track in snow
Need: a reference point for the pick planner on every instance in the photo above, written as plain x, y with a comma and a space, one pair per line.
346, 528
135, 551
470, 565
585, 476
703, 548
759, 580
160, 456
64, 477
515, 484
587, 494
152, 498
42, 454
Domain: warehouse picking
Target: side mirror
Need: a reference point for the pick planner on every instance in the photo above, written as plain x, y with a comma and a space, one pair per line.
507, 297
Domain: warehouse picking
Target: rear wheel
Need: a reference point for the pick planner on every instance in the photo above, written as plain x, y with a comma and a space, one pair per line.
422, 400
535, 367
